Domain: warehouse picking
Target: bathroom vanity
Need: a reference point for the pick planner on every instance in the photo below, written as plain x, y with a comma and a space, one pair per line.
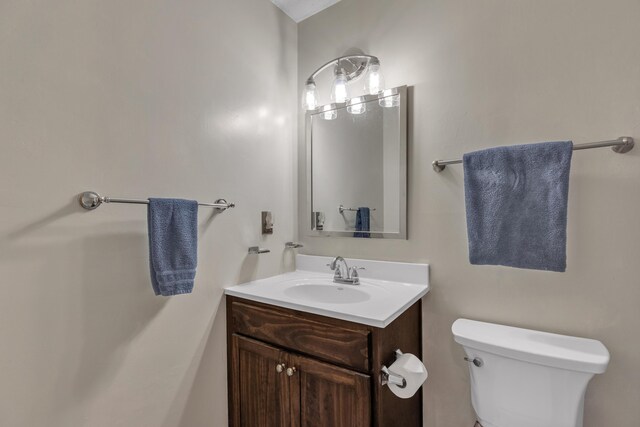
304, 351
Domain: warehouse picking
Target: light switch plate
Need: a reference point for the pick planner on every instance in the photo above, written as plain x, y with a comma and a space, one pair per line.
267, 222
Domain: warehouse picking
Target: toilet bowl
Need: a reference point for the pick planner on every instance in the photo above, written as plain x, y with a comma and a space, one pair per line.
526, 378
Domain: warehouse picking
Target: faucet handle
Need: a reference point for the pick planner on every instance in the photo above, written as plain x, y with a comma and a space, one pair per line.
335, 268
353, 274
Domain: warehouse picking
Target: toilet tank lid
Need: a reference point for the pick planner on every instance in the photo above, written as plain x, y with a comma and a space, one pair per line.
544, 348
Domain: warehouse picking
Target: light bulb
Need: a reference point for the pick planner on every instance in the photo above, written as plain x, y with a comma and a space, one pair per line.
339, 92
310, 96
329, 112
356, 106
374, 84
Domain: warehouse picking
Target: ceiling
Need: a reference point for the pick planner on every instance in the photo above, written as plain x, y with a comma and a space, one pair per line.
299, 10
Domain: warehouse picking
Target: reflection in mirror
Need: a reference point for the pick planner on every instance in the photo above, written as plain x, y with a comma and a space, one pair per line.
357, 167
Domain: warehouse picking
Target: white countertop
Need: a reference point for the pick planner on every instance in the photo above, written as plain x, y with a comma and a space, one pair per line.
377, 301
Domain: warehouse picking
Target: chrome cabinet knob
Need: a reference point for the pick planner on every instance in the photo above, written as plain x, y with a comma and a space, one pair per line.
280, 367
291, 371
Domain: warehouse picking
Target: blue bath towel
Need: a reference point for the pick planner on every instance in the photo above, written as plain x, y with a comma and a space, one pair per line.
362, 223
516, 202
173, 245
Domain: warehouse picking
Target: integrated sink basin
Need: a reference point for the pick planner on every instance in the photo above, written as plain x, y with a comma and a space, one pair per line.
385, 291
330, 293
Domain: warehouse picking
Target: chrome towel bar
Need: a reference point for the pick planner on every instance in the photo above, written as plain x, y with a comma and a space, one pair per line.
621, 145
341, 209
90, 200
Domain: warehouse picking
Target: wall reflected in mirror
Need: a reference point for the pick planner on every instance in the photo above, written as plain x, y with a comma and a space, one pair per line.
356, 171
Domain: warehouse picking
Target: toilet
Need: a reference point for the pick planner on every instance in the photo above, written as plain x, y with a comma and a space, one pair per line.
526, 378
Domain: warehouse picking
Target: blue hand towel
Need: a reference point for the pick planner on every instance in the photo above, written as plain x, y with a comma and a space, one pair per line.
516, 202
362, 223
173, 245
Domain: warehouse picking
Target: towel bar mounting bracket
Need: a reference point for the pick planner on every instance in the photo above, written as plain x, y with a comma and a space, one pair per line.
625, 147
90, 200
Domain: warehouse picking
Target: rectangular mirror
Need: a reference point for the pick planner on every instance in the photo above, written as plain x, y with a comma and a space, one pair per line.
357, 167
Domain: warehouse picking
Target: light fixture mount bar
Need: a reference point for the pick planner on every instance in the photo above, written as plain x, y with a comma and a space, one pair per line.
353, 65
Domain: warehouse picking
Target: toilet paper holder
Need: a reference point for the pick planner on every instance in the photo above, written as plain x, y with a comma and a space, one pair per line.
388, 377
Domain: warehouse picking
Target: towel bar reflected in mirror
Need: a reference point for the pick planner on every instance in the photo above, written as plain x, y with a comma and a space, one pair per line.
341, 209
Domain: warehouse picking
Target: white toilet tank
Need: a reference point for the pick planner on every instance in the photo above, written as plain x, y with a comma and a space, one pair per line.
528, 378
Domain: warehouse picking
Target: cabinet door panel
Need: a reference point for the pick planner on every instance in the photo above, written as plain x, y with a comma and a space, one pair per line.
260, 394
323, 395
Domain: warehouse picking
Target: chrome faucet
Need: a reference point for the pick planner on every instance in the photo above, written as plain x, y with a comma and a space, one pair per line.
344, 274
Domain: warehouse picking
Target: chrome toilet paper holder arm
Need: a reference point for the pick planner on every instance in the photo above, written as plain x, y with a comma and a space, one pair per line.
388, 377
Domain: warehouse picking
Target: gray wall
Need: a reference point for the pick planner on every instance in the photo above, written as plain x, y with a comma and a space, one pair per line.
502, 72
193, 99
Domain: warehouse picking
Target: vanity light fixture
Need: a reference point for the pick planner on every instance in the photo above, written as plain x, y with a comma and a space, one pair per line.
389, 99
329, 112
310, 96
374, 83
356, 105
339, 93
345, 69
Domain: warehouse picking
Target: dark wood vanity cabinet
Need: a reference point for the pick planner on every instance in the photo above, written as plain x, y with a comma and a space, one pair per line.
295, 369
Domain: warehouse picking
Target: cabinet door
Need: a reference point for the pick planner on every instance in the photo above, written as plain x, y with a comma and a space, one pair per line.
324, 395
259, 393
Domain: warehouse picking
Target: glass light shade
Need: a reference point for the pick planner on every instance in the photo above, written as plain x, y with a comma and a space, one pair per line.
388, 99
339, 92
374, 83
329, 112
310, 96
356, 106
